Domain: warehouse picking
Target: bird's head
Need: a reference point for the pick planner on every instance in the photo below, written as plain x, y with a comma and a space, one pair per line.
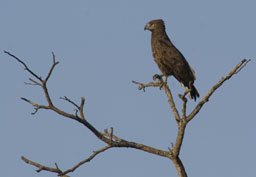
155, 24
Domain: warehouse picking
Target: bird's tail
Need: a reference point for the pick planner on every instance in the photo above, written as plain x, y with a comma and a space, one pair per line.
193, 93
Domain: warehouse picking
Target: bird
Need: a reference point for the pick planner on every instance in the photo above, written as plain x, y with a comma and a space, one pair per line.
169, 59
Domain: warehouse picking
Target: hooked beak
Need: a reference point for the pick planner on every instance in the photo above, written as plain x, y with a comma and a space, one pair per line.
146, 27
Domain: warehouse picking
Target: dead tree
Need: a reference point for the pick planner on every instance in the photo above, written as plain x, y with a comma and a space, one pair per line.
112, 140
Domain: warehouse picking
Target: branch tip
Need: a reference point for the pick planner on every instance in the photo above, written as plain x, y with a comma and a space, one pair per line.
244, 62
24, 64
81, 108
111, 133
25, 99
143, 86
51, 69
53, 57
70, 101
57, 167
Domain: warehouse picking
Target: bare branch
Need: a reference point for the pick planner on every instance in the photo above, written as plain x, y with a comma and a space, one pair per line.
124, 143
180, 168
243, 65
70, 101
33, 82
143, 86
179, 139
171, 102
112, 140
36, 106
43, 82
160, 84
120, 143
57, 169
46, 93
205, 99
111, 136
184, 105
41, 167
111, 133
53, 65
95, 153
26, 68
81, 109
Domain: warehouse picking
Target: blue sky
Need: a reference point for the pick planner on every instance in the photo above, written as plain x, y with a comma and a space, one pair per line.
102, 47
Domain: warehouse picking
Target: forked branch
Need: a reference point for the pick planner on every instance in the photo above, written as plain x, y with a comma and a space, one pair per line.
57, 169
205, 99
110, 138
182, 122
168, 93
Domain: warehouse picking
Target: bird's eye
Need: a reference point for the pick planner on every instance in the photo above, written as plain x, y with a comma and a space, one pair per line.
153, 25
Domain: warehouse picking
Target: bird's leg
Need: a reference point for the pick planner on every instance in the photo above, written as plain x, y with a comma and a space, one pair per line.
165, 82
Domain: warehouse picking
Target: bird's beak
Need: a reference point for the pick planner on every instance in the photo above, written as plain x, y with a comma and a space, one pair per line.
146, 27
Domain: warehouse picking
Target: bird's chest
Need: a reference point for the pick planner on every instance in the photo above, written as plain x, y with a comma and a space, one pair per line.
158, 52
160, 49
163, 57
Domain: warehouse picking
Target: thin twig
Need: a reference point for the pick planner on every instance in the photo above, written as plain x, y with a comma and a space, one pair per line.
86, 160
244, 64
41, 167
53, 65
26, 67
143, 86
81, 109
70, 101
111, 135
33, 82
36, 106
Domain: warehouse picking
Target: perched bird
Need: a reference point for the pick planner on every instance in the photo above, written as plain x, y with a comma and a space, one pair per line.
169, 59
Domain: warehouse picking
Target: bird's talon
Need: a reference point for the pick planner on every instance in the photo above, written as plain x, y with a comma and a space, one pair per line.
157, 76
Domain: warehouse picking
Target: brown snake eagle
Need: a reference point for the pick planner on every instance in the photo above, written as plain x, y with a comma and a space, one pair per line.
169, 59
